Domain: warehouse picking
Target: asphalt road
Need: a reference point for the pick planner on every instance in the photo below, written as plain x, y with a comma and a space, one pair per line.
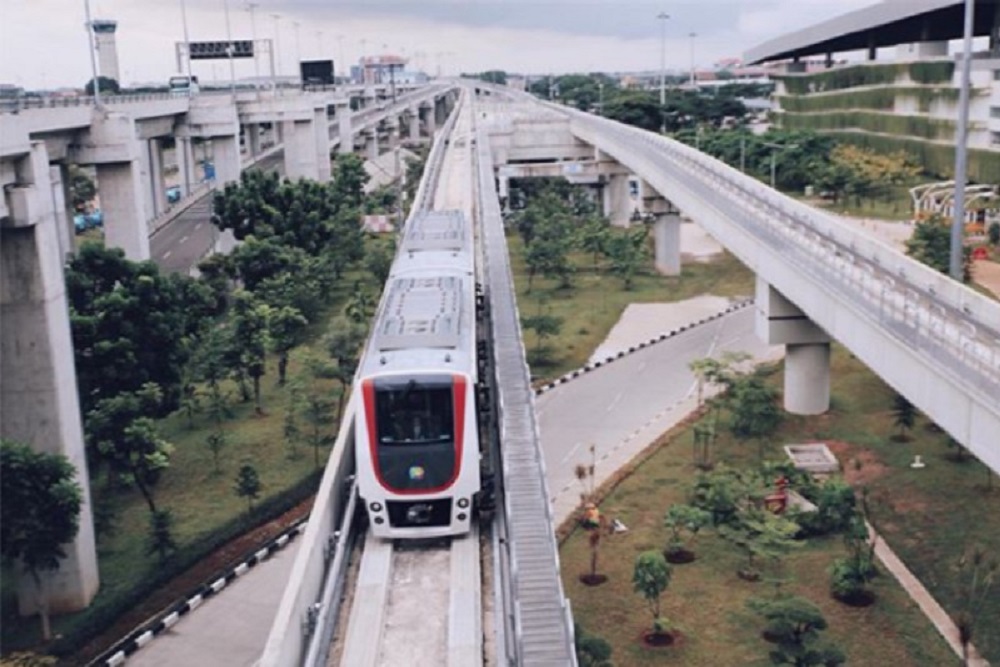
180, 245
624, 406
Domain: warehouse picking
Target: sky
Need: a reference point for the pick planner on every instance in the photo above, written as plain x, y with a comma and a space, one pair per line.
43, 43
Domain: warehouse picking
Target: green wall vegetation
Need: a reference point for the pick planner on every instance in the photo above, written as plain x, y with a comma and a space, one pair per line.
936, 159
871, 121
877, 99
936, 71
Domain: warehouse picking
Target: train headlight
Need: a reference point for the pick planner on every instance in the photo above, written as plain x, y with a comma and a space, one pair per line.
375, 507
379, 520
463, 503
461, 516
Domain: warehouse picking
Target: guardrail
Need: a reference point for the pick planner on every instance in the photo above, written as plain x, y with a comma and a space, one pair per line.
538, 622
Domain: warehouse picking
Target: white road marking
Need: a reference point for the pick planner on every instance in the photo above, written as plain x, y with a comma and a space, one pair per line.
183, 239
571, 453
615, 401
641, 367
198, 226
166, 254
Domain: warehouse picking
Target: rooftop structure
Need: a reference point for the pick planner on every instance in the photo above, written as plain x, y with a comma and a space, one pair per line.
107, 50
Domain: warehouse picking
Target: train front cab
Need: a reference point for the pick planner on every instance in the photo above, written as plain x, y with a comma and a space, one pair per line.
418, 454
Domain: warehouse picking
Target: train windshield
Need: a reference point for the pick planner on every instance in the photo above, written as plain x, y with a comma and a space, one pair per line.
415, 432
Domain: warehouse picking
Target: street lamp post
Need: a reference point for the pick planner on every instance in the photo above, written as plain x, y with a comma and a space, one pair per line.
229, 51
277, 44
93, 56
774, 151
187, 48
600, 92
663, 16
251, 6
692, 35
958, 222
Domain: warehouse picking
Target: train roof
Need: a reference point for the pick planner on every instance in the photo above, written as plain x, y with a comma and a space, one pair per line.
436, 230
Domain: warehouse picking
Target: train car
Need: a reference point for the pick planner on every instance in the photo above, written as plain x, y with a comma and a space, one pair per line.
417, 436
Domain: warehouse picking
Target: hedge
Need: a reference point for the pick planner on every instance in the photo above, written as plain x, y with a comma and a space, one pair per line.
936, 159
935, 71
877, 99
871, 121
104, 612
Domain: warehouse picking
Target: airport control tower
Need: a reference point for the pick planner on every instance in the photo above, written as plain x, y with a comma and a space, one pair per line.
107, 52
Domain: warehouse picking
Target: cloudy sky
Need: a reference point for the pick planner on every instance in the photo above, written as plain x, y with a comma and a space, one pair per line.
43, 42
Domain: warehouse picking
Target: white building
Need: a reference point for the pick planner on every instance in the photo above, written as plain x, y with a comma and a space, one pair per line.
107, 50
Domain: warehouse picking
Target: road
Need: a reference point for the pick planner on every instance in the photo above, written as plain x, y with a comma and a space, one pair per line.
180, 245
624, 406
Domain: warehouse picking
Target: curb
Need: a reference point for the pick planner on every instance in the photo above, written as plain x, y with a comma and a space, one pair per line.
145, 633
572, 375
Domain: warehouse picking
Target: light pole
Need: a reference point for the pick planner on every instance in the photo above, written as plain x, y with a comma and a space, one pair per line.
187, 48
229, 52
298, 46
600, 92
93, 57
692, 35
774, 151
277, 44
662, 17
958, 222
340, 54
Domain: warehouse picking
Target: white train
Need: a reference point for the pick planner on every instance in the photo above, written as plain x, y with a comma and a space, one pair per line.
417, 434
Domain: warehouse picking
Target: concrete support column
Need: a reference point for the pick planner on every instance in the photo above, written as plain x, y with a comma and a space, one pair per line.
38, 395
321, 128
184, 150
226, 156
157, 186
343, 114
807, 363
413, 131
300, 150
146, 188
429, 119
252, 138
62, 206
371, 144
121, 186
615, 200
667, 241
393, 128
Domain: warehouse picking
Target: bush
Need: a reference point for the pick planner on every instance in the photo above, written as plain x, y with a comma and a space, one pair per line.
591, 650
106, 611
835, 506
993, 233
849, 577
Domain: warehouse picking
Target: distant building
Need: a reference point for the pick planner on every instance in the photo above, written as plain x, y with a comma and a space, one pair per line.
107, 51
380, 69
9, 91
517, 82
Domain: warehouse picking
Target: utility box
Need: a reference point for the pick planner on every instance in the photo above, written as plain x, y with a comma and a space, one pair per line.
316, 72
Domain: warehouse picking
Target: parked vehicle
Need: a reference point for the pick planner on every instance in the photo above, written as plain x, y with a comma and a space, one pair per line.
174, 194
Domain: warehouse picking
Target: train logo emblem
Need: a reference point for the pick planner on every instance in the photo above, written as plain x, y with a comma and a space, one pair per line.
416, 473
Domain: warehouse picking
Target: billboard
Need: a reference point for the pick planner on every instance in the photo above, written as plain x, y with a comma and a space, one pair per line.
316, 72
242, 48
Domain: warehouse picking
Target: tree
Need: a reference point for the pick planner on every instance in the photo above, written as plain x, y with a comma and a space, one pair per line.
250, 338
794, 624
216, 441
343, 343
82, 188
290, 427
849, 577
904, 416
160, 541
39, 513
650, 577
105, 84
379, 262
593, 237
286, 327
931, 245
760, 534
626, 252
979, 572
248, 484
591, 650
316, 410
682, 519
993, 233
754, 412
544, 326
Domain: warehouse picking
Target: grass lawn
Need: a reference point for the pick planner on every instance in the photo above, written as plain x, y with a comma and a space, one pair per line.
594, 303
928, 516
200, 498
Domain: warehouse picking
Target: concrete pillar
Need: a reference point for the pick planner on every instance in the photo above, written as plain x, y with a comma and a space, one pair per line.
667, 241
62, 206
38, 395
145, 191
393, 130
321, 128
413, 131
121, 188
184, 150
615, 200
807, 347
252, 138
226, 157
344, 127
300, 150
157, 186
371, 144
429, 119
